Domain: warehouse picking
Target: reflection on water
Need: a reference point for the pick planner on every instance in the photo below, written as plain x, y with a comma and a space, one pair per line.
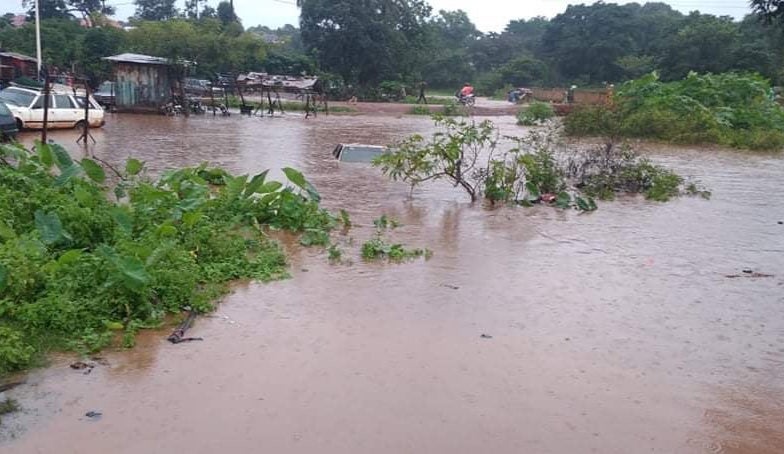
611, 332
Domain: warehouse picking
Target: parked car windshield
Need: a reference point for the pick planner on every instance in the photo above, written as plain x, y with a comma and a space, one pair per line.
105, 87
17, 97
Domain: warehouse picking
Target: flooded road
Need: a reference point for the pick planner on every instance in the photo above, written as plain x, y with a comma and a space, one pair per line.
612, 332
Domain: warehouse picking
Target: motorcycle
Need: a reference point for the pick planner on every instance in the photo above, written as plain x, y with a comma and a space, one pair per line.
468, 101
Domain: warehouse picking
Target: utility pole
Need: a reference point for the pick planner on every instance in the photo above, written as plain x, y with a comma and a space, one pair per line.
38, 36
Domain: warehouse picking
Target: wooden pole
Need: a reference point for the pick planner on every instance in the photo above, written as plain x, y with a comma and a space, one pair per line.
46, 106
86, 131
212, 97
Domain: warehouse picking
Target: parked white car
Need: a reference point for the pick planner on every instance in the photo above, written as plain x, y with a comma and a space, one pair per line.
66, 108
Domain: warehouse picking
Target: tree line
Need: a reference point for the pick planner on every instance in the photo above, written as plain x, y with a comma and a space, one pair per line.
364, 43
584, 45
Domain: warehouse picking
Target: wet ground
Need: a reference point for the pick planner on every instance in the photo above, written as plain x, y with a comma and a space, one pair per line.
612, 332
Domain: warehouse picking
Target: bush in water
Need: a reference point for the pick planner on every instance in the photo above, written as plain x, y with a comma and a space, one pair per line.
535, 114
538, 165
727, 109
76, 267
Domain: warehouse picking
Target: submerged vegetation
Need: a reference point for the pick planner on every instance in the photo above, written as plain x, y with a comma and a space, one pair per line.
533, 169
536, 113
728, 109
7, 406
77, 270
379, 248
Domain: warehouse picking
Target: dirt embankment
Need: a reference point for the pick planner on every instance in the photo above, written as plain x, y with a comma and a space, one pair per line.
484, 107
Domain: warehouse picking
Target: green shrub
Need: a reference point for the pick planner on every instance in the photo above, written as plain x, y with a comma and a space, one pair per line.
727, 109
15, 353
74, 265
535, 114
452, 109
378, 248
420, 110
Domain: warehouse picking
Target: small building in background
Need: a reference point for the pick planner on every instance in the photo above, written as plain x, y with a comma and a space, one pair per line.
14, 66
143, 84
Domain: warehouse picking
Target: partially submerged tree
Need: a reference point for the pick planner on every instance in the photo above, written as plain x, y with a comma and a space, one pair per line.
452, 155
530, 169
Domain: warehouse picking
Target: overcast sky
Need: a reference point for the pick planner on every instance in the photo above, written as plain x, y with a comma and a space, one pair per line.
488, 15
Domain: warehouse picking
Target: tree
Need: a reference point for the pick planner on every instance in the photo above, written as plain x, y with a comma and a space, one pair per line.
585, 42
156, 9
705, 43
366, 41
769, 9
89, 7
451, 34
226, 13
50, 9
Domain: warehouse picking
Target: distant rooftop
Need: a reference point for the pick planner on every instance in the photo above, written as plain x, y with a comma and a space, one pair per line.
17, 56
138, 59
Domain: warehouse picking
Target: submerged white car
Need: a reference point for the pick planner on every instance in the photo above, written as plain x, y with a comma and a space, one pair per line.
66, 108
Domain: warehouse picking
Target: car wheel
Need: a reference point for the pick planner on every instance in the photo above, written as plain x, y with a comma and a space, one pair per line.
19, 124
79, 125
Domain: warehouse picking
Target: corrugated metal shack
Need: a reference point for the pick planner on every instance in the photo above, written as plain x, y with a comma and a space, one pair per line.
143, 84
13, 65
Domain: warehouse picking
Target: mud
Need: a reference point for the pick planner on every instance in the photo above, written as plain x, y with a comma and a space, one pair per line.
613, 332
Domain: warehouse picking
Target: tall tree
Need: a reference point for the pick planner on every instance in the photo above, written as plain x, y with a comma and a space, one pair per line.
50, 9
226, 13
769, 9
705, 43
156, 9
366, 41
585, 42
451, 35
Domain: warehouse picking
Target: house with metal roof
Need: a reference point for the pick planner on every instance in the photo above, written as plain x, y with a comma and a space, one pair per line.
143, 83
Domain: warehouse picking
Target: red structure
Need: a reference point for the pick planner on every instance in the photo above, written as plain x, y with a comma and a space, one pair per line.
14, 65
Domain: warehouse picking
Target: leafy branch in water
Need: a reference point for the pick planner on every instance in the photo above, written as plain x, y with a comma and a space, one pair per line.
534, 169
75, 267
378, 247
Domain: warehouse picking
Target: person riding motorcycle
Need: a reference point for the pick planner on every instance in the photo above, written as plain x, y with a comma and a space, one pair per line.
466, 93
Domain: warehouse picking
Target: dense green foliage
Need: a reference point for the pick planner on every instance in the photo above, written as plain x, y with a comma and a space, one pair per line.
217, 47
537, 168
535, 113
75, 266
365, 41
729, 109
358, 45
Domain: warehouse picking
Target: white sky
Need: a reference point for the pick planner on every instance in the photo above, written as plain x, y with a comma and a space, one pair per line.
488, 15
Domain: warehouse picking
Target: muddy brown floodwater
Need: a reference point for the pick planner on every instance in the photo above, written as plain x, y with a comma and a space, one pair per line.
613, 332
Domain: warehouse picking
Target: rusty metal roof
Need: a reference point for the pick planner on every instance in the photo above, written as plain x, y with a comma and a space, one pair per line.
17, 56
138, 59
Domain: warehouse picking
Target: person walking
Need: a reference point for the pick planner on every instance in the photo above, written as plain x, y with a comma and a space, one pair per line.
422, 97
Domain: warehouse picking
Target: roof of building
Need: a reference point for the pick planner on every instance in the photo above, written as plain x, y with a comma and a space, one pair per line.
289, 83
19, 20
17, 56
138, 59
